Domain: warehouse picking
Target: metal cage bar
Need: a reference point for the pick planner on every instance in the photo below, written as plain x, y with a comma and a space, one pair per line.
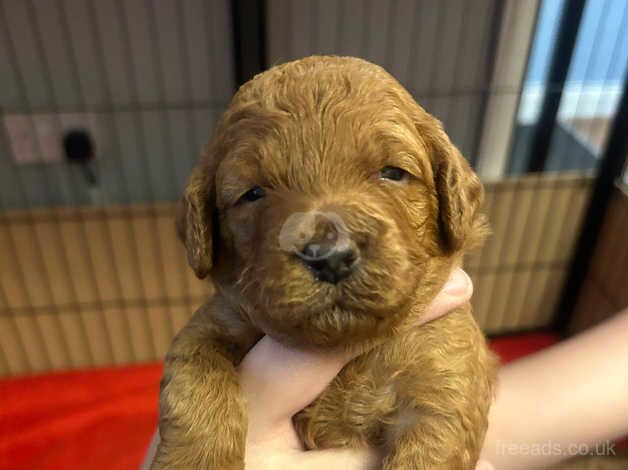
561, 60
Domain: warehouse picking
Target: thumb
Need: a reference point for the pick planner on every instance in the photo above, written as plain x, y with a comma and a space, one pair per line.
278, 381
456, 292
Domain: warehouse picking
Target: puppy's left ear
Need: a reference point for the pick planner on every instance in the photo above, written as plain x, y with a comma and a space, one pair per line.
460, 194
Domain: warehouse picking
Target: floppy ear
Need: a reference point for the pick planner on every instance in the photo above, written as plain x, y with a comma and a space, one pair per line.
460, 195
194, 220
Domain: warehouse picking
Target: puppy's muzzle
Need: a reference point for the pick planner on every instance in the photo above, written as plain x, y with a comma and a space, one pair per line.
322, 242
337, 265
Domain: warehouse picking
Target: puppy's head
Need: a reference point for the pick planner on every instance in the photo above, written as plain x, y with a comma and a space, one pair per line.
322, 199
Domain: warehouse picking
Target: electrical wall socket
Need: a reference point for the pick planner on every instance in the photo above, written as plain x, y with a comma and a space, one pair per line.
38, 138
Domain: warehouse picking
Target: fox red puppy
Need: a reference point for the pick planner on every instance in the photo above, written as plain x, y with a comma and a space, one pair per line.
327, 210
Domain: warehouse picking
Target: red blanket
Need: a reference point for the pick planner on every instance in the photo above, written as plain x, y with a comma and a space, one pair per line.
104, 418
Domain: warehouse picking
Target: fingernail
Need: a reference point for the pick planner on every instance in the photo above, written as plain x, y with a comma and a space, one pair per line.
458, 283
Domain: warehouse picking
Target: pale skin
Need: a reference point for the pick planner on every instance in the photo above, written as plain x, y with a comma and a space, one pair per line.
576, 392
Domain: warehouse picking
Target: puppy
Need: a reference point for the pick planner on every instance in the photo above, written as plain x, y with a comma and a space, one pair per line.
329, 209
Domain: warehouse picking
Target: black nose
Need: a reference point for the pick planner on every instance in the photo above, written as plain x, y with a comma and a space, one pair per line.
332, 265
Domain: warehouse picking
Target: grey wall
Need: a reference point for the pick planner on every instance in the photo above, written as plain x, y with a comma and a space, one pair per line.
438, 49
148, 77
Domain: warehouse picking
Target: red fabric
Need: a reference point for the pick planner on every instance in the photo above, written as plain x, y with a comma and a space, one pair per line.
512, 347
95, 419
104, 418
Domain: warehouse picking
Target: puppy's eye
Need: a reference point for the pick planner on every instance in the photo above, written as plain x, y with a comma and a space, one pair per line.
393, 173
252, 195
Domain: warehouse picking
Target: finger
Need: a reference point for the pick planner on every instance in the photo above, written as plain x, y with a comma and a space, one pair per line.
278, 381
455, 293
484, 465
345, 459
330, 459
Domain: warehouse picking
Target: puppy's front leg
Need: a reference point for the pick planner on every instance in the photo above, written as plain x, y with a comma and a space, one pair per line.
202, 420
426, 447
444, 402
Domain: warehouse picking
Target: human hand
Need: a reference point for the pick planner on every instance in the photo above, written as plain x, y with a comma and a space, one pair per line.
277, 382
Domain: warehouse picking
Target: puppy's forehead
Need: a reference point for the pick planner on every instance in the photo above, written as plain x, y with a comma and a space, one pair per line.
333, 122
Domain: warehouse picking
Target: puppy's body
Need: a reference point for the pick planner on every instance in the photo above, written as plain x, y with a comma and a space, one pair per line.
322, 134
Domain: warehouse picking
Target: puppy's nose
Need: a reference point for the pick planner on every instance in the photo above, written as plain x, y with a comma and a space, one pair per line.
330, 265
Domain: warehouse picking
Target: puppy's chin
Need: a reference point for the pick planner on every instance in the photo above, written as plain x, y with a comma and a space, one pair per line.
331, 328
329, 317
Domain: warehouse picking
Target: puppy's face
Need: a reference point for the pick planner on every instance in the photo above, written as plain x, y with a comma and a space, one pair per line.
322, 199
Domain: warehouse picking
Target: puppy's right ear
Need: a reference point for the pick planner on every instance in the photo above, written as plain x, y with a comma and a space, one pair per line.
194, 220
